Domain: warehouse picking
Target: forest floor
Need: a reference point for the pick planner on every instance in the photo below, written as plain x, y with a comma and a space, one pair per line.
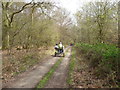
19, 61
82, 76
31, 77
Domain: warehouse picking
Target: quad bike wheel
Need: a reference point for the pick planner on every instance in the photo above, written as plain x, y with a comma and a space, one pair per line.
55, 54
63, 54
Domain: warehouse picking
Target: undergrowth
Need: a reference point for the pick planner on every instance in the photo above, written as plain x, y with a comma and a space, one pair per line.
71, 68
104, 58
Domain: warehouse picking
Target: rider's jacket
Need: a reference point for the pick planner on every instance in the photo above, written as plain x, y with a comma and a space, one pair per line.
60, 46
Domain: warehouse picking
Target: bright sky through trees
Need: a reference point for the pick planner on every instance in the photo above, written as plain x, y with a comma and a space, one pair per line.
72, 6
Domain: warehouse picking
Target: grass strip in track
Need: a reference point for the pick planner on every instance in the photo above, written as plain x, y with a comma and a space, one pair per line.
49, 74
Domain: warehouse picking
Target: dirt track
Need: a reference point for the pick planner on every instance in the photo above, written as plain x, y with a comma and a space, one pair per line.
58, 80
30, 79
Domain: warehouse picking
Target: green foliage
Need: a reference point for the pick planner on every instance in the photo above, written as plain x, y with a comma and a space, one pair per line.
33, 28
105, 55
97, 22
104, 58
107, 51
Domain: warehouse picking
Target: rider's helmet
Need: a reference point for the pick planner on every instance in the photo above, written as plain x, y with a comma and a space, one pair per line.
60, 42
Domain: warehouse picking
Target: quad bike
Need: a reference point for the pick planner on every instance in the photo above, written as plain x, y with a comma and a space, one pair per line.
59, 53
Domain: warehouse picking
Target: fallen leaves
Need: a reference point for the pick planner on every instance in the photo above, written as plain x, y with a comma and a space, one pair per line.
83, 77
20, 61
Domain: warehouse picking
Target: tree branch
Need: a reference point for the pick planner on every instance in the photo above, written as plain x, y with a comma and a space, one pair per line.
13, 14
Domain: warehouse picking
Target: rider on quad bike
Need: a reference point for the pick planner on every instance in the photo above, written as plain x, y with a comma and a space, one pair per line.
59, 49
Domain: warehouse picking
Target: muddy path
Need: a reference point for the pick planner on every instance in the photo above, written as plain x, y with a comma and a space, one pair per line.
59, 78
31, 78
